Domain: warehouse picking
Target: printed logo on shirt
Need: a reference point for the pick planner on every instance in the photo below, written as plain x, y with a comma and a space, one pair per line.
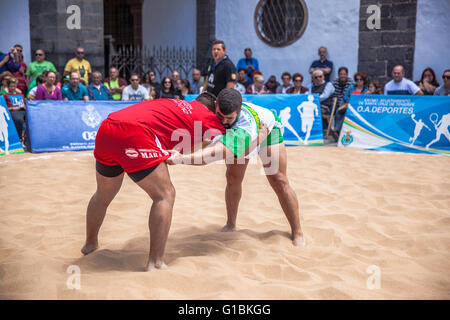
131, 153
184, 106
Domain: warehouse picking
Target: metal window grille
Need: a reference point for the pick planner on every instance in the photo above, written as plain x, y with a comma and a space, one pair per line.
280, 22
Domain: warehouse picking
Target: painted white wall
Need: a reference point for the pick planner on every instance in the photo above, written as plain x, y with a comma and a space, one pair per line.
169, 23
331, 23
15, 26
432, 38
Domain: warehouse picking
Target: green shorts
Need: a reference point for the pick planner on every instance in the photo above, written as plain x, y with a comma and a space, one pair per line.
274, 137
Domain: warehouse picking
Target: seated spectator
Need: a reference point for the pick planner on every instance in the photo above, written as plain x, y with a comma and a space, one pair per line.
297, 88
32, 93
4, 78
152, 93
374, 87
359, 87
184, 87
444, 90
9, 61
248, 63
115, 84
243, 78
150, 82
286, 79
20, 74
155, 84
168, 91
238, 86
341, 85
325, 91
135, 91
399, 85
175, 77
74, 90
428, 82
197, 81
16, 106
49, 90
272, 84
322, 64
34, 84
258, 86
97, 90
36, 68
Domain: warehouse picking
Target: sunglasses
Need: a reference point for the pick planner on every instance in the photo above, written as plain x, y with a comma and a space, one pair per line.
134, 80
298, 80
167, 81
445, 77
39, 54
358, 79
319, 77
78, 52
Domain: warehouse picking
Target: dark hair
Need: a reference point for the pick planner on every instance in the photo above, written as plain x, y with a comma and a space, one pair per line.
135, 75
218, 42
208, 100
40, 79
18, 45
171, 89
377, 85
296, 75
247, 49
229, 101
343, 68
241, 69
286, 74
432, 72
363, 75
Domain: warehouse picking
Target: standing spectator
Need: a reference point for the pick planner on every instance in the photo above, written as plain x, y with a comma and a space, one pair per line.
74, 90
32, 93
399, 85
272, 84
184, 87
248, 63
221, 72
243, 78
325, 91
197, 81
374, 87
428, 82
175, 78
444, 90
36, 68
115, 84
16, 106
20, 74
341, 85
258, 86
97, 90
79, 64
286, 79
9, 61
322, 64
135, 91
298, 88
167, 90
49, 90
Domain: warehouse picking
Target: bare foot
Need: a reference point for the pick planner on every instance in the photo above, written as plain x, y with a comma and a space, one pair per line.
298, 240
228, 228
89, 247
153, 266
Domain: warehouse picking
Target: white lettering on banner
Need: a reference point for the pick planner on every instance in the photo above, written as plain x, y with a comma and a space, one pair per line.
390, 106
89, 135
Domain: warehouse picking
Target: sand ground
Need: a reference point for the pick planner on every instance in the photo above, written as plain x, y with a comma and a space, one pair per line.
366, 215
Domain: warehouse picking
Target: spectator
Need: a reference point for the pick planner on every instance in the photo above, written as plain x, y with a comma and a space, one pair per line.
374, 87
49, 90
248, 63
175, 78
152, 93
297, 88
4, 78
184, 87
150, 81
20, 74
221, 71
197, 81
341, 85
167, 90
79, 64
74, 90
428, 82
359, 87
239, 86
97, 90
322, 64
272, 84
32, 93
115, 84
135, 91
16, 106
399, 85
34, 84
156, 85
9, 61
36, 68
243, 78
325, 91
444, 90
258, 86
286, 79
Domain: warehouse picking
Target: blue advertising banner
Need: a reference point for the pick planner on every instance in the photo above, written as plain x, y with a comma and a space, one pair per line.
9, 139
417, 124
299, 113
68, 125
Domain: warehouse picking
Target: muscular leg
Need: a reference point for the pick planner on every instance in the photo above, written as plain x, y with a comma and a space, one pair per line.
274, 160
107, 188
233, 193
159, 187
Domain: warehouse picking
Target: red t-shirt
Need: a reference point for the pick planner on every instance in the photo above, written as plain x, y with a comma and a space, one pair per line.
173, 121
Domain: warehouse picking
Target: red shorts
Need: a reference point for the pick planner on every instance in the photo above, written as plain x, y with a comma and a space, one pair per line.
129, 144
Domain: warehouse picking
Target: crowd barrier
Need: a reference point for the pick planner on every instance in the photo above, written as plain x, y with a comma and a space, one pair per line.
414, 124
9, 139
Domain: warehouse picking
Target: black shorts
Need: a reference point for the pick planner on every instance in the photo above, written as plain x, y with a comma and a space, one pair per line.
114, 171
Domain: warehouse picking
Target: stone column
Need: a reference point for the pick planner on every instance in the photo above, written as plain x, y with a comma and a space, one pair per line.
380, 50
49, 31
206, 32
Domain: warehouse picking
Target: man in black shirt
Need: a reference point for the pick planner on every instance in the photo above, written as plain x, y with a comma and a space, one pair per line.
222, 72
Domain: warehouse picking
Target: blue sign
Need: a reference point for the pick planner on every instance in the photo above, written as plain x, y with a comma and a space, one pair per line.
299, 113
67, 125
417, 124
9, 139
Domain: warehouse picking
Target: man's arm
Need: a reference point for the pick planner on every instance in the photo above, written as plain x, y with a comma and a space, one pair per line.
205, 84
